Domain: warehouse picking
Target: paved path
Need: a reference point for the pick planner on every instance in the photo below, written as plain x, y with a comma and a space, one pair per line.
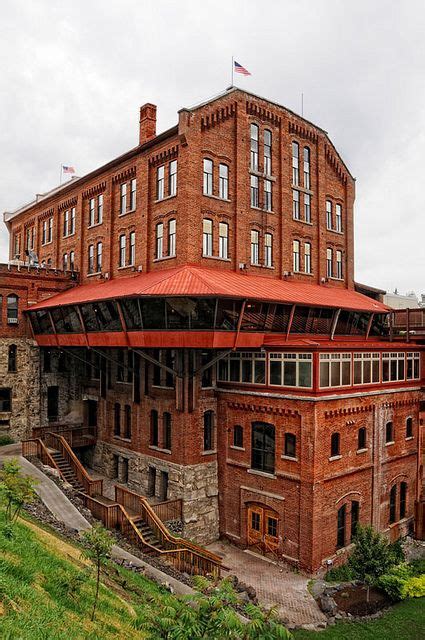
63, 510
274, 584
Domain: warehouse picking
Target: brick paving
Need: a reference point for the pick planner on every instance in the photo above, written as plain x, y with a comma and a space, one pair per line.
276, 585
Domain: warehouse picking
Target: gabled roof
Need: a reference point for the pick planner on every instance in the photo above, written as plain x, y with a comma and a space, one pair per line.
192, 280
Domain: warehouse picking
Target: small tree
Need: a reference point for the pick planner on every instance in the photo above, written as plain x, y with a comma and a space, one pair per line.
373, 555
97, 548
16, 489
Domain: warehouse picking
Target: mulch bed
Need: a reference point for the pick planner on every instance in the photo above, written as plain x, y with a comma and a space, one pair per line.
353, 600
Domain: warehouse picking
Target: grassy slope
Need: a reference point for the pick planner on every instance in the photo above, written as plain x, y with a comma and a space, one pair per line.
34, 605
406, 621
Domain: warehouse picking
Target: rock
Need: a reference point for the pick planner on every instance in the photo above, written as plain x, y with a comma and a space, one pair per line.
309, 627
251, 592
317, 588
331, 621
243, 597
321, 625
328, 605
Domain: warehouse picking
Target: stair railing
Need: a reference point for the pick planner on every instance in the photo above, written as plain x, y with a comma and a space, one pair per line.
91, 487
35, 447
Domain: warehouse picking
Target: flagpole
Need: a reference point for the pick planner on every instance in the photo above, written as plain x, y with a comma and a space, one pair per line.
233, 64
60, 175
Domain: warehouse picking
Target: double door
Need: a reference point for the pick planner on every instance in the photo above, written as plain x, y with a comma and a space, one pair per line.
263, 530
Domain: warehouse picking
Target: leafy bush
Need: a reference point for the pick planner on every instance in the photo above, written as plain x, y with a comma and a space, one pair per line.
402, 582
344, 573
4, 439
373, 555
417, 567
393, 586
415, 587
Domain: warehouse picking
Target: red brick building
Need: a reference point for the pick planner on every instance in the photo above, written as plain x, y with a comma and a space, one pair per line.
217, 340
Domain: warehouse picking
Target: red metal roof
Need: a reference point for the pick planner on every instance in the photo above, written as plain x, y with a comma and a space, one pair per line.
192, 280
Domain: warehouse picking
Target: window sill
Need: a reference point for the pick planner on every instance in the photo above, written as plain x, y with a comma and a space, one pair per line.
210, 195
216, 258
122, 438
362, 450
310, 224
332, 458
160, 449
262, 209
210, 452
339, 233
95, 273
46, 244
298, 187
260, 174
233, 446
127, 266
164, 258
68, 235
409, 437
165, 198
161, 386
96, 224
388, 444
121, 215
257, 472
122, 382
337, 279
292, 458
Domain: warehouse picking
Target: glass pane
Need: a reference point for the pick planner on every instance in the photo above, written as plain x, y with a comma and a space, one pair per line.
324, 374
153, 313
304, 373
290, 374
335, 374
259, 371
275, 372
131, 312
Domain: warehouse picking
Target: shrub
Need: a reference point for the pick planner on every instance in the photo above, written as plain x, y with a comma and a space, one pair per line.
344, 573
393, 586
373, 555
4, 439
415, 587
417, 567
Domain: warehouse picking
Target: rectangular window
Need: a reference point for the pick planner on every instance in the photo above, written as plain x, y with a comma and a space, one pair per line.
160, 179
72, 225
255, 258
267, 195
207, 238
123, 243
254, 147
393, 367
366, 368
306, 168
338, 217
65, 262
72, 260
223, 185
172, 178
132, 252
99, 251
91, 259
133, 187
159, 240
295, 204
172, 238
339, 271
100, 209
328, 214
413, 366
91, 212
254, 191
335, 369
208, 177
329, 262
223, 240
44, 233
296, 255
267, 153
268, 250
307, 207
66, 223
50, 231
291, 369
307, 257
295, 163
123, 198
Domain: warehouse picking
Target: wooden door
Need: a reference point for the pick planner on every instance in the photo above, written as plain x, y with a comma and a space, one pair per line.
263, 530
255, 527
271, 532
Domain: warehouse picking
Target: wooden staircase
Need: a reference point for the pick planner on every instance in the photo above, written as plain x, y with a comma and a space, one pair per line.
66, 470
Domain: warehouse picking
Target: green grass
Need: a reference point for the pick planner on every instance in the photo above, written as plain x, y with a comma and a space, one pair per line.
4, 439
405, 621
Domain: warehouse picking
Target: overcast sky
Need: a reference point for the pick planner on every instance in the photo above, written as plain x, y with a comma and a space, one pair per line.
74, 74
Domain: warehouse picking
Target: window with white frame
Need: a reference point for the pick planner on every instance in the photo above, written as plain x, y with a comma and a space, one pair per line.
207, 237
160, 181
50, 230
268, 195
208, 177
295, 204
91, 212
66, 223
30, 238
159, 245
172, 237
291, 369
366, 368
223, 184
335, 370
306, 168
132, 249
123, 198
91, 259
223, 240
72, 260
307, 207
329, 262
99, 256
338, 217
393, 366
133, 190
122, 250
254, 147
307, 257
255, 246
267, 152
268, 249
339, 270
296, 255
65, 262
295, 163
328, 214
413, 365
72, 222
172, 178
99, 209
254, 192
246, 367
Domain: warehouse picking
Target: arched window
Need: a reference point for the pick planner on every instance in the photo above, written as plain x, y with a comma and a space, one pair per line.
117, 419
393, 501
223, 240
403, 501
255, 245
290, 445
223, 184
167, 430
154, 428
172, 237
409, 427
389, 432
207, 237
263, 447
238, 436
208, 430
335, 444
340, 533
91, 259
268, 249
12, 308
11, 362
127, 423
254, 147
361, 438
267, 168
295, 163
159, 249
208, 177
355, 513
306, 168
65, 262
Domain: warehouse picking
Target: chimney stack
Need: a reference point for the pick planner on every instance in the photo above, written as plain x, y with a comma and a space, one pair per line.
147, 124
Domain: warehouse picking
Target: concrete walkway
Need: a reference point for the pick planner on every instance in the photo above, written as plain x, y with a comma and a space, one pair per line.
64, 511
275, 584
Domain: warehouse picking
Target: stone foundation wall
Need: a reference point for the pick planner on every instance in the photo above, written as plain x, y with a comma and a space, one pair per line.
196, 485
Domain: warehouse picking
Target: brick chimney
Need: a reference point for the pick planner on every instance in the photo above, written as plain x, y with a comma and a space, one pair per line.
147, 124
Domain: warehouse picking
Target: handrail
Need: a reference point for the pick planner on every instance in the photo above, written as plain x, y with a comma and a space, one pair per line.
91, 486
42, 453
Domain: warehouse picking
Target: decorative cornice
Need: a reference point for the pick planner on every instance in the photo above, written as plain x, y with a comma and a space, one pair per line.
164, 156
335, 163
95, 190
302, 130
280, 411
263, 114
122, 176
348, 411
213, 118
66, 204
46, 214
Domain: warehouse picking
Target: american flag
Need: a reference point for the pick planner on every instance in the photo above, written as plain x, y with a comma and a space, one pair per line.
240, 69
67, 169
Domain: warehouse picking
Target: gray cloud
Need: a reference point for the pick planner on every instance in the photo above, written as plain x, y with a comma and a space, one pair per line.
73, 76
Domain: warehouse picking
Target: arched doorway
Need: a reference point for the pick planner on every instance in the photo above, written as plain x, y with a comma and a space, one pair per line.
263, 527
